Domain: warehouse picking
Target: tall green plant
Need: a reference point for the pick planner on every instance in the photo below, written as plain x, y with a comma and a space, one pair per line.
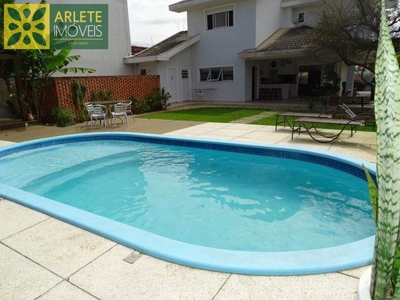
385, 270
78, 98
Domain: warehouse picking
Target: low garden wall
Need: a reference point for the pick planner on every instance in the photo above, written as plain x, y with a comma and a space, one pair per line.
60, 93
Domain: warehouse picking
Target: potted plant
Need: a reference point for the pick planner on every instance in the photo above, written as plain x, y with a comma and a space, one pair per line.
385, 279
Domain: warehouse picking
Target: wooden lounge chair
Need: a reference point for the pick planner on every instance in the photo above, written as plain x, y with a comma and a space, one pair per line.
310, 126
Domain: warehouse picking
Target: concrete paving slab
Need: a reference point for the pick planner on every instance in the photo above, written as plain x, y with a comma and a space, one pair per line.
109, 277
5, 143
17, 218
21, 278
213, 125
355, 272
195, 130
66, 291
244, 127
177, 134
274, 135
322, 287
228, 133
270, 141
305, 142
286, 130
212, 136
79, 247
371, 157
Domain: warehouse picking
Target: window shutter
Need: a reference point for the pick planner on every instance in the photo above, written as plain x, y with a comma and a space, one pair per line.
210, 22
230, 18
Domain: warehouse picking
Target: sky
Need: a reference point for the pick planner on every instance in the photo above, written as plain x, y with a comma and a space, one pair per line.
151, 21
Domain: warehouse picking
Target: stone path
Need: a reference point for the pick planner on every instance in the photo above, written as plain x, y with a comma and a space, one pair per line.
255, 118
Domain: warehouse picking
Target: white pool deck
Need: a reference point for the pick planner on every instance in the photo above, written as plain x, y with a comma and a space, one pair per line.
43, 258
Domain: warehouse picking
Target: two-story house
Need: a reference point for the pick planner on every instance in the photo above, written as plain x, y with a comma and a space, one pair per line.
240, 50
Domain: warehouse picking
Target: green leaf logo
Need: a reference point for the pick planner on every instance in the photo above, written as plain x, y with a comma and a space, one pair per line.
27, 26
27, 13
14, 39
13, 26
39, 14
39, 39
27, 40
40, 26
14, 14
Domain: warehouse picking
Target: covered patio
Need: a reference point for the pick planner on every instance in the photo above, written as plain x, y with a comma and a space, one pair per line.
286, 66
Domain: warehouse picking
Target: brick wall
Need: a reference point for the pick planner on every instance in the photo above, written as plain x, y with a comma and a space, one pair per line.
60, 92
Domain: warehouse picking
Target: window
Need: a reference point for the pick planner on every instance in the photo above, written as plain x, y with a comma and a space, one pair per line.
300, 17
220, 18
142, 71
185, 74
216, 74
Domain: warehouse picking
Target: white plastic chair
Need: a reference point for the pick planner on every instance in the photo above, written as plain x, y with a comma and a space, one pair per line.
128, 107
98, 112
120, 111
88, 107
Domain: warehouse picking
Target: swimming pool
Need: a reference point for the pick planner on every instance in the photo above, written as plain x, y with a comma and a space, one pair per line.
216, 205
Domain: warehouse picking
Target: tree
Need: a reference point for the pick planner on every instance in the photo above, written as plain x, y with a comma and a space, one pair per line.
9, 63
35, 67
349, 29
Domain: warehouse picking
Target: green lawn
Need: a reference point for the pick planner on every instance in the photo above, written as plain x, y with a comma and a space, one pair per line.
271, 121
226, 115
209, 114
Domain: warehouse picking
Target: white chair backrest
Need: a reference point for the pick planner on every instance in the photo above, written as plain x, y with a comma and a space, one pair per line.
120, 108
128, 106
97, 109
89, 107
348, 111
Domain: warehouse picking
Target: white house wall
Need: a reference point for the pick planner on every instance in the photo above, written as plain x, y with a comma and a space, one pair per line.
311, 15
108, 62
268, 19
151, 68
220, 47
181, 60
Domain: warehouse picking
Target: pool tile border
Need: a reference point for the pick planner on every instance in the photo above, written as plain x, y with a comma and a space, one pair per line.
253, 149
255, 263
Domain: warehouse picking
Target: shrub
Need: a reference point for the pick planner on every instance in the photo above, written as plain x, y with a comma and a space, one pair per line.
102, 96
63, 117
158, 99
82, 117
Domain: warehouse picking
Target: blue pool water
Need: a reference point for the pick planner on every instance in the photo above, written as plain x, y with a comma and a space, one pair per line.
208, 198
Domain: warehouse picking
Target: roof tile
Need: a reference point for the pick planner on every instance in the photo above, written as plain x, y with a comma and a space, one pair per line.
165, 45
297, 38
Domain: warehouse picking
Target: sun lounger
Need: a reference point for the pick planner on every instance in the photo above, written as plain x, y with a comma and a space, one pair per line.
310, 126
297, 115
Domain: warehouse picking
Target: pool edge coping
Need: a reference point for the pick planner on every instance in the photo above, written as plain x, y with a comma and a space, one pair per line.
251, 263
